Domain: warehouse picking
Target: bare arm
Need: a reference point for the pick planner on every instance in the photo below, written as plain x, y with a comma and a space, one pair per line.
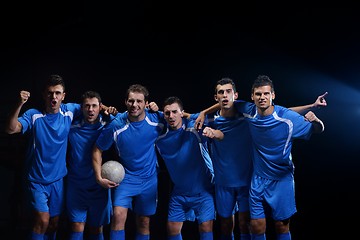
186, 115
152, 106
319, 102
201, 118
213, 133
13, 125
109, 110
97, 162
316, 122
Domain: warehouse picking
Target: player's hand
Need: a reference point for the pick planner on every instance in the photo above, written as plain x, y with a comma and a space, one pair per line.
153, 106
320, 101
199, 122
311, 117
109, 110
106, 183
24, 96
213, 133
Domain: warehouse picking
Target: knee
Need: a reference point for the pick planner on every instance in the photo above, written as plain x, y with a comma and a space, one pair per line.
258, 226
282, 226
206, 226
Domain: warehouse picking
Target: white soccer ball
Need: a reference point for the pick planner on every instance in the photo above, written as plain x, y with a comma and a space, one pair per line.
113, 171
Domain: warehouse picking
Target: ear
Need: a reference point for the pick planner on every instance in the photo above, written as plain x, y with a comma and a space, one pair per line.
252, 96
236, 95
215, 97
63, 97
273, 96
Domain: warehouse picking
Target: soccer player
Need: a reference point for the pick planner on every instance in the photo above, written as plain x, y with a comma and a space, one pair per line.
134, 133
233, 162
46, 155
185, 153
86, 201
273, 129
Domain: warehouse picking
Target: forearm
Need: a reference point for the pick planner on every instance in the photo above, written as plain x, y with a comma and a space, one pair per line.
319, 102
218, 135
97, 162
13, 125
211, 109
302, 109
186, 115
318, 125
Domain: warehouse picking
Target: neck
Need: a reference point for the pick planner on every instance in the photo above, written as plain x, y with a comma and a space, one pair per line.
227, 112
265, 111
136, 118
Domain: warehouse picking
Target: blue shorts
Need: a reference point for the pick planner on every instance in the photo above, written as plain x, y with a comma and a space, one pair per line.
90, 204
47, 197
278, 195
200, 206
139, 195
231, 199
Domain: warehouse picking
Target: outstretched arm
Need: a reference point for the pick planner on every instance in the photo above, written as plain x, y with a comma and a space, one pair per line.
319, 102
13, 125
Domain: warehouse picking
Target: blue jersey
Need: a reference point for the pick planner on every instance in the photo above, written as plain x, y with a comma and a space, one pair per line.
46, 155
82, 138
134, 142
86, 199
187, 159
232, 156
273, 137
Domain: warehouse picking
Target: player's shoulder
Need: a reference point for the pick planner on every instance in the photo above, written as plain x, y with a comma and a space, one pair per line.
71, 107
154, 115
284, 111
33, 111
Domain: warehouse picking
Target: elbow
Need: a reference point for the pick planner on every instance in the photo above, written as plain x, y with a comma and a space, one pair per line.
319, 127
10, 130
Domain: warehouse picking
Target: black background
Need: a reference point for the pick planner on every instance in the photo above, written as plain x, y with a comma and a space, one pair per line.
183, 48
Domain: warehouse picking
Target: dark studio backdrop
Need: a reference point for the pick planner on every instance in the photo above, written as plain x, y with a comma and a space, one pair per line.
183, 49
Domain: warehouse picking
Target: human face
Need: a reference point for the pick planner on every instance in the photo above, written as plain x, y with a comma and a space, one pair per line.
225, 96
53, 96
263, 98
173, 116
135, 105
91, 110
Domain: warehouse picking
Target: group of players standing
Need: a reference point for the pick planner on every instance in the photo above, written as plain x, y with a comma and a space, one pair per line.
232, 159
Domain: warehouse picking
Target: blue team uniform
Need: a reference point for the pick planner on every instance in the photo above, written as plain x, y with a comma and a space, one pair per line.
187, 159
46, 156
86, 200
232, 159
135, 144
273, 179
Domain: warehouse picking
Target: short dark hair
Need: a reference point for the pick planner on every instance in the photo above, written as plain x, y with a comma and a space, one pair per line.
262, 80
171, 100
54, 80
90, 94
224, 81
139, 89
